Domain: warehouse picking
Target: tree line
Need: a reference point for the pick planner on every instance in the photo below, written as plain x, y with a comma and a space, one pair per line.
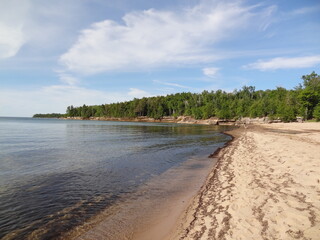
49, 115
280, 103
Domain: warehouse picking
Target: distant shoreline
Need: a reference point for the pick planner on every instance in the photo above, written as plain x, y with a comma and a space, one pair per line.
180, 119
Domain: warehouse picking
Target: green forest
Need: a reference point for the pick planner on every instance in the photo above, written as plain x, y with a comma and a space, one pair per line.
280, 103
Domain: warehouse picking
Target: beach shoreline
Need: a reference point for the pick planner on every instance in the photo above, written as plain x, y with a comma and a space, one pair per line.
165, 119
162, 222
264, 186
154, 210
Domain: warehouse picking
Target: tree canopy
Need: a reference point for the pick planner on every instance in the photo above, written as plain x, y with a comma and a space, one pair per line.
246, 102
49, 115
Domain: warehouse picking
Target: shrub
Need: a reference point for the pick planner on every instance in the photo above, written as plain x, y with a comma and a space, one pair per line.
316, 112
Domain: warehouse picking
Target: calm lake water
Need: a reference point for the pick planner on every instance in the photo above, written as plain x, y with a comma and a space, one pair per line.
56, 174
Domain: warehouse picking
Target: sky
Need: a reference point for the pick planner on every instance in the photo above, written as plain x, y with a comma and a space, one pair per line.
58, 53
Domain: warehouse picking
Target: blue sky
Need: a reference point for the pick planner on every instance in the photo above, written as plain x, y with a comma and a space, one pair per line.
59, 53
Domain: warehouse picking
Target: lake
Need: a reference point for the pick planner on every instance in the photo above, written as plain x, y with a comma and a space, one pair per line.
57, 174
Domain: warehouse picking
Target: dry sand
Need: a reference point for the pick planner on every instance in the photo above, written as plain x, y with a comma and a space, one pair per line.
266, 185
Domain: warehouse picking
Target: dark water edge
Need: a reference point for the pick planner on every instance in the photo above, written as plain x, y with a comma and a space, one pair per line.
153, 210
44, 206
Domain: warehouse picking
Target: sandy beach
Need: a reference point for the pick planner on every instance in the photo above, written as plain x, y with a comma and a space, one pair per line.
266, 185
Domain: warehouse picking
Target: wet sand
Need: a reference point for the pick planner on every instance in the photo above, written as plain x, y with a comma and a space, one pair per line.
266, 185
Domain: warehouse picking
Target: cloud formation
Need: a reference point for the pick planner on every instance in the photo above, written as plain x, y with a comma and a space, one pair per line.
154, 38
210, 72
68, 79
285, 63
138, 93
39, 26
12, 36
170, 84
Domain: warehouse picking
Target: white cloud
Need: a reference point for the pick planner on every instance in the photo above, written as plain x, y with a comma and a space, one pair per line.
54, 98
68, 79
267, 19
304, 10
43, 28
285, 63
154, 38
170, 84
12, 36
210, 72
138, 93
11, 39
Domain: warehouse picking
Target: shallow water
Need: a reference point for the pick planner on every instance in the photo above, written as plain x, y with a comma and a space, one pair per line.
56, 174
